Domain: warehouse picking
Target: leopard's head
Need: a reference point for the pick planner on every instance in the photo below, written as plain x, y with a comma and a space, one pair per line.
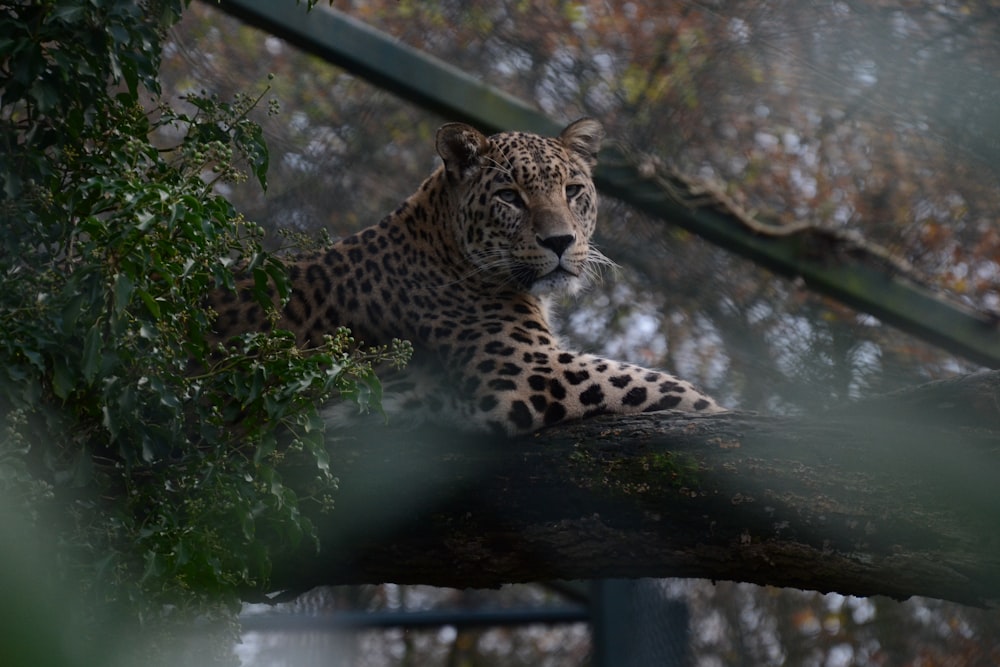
526, 204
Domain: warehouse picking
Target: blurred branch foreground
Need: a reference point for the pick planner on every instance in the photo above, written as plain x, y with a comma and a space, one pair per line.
897, 496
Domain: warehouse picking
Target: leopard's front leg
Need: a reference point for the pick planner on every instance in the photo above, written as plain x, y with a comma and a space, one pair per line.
546, 387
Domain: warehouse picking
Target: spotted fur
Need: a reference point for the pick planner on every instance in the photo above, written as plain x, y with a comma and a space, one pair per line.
460, 269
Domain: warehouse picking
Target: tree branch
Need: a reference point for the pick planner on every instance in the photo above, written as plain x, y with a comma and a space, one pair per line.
896, 496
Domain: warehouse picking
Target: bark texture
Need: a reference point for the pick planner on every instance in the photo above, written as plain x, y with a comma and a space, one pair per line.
897, 496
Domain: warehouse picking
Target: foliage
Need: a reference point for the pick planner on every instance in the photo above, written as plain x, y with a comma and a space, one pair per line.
161, 458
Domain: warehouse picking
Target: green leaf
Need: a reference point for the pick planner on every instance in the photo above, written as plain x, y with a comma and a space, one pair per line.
148, 449
248, 525
92, 347
322, 460
251, 138
123, 291
71, 312
63, 381
277, 489
260, 284
267, 445
35, 358
67, 13
46, 96
148, 331
153, 567
165, 393
12, 185
151, 305
110, 421
279, 276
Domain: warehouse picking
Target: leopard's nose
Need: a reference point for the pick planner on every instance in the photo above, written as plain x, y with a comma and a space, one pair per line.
557, 243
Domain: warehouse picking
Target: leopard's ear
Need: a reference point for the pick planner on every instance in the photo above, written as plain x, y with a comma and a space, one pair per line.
584, 137
461, 147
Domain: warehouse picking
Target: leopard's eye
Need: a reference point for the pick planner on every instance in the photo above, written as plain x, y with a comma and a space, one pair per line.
510, 196
572, 190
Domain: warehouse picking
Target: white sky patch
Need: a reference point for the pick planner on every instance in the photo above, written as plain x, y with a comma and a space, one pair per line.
739, 30
273, 45
806, 184
766, 140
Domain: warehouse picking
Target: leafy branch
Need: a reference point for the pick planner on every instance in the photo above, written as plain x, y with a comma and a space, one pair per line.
160, 457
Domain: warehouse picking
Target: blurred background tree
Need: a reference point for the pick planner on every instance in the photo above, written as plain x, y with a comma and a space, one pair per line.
873, 117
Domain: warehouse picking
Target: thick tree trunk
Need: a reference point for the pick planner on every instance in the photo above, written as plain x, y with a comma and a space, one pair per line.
897, 496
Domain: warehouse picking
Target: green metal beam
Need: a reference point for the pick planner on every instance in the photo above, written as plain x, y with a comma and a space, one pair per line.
867, 287
439, 87
384, 61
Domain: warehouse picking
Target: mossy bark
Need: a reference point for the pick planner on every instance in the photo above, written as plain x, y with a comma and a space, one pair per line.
899, 496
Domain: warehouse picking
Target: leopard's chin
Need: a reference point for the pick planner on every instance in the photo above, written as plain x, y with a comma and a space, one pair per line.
556, 281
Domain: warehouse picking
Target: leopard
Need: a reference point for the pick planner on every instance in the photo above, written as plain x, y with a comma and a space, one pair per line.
465, 269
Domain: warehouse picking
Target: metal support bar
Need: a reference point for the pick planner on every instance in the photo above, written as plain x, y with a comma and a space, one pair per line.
384, 61
439, 87
459, 618
634, 626
876, 291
